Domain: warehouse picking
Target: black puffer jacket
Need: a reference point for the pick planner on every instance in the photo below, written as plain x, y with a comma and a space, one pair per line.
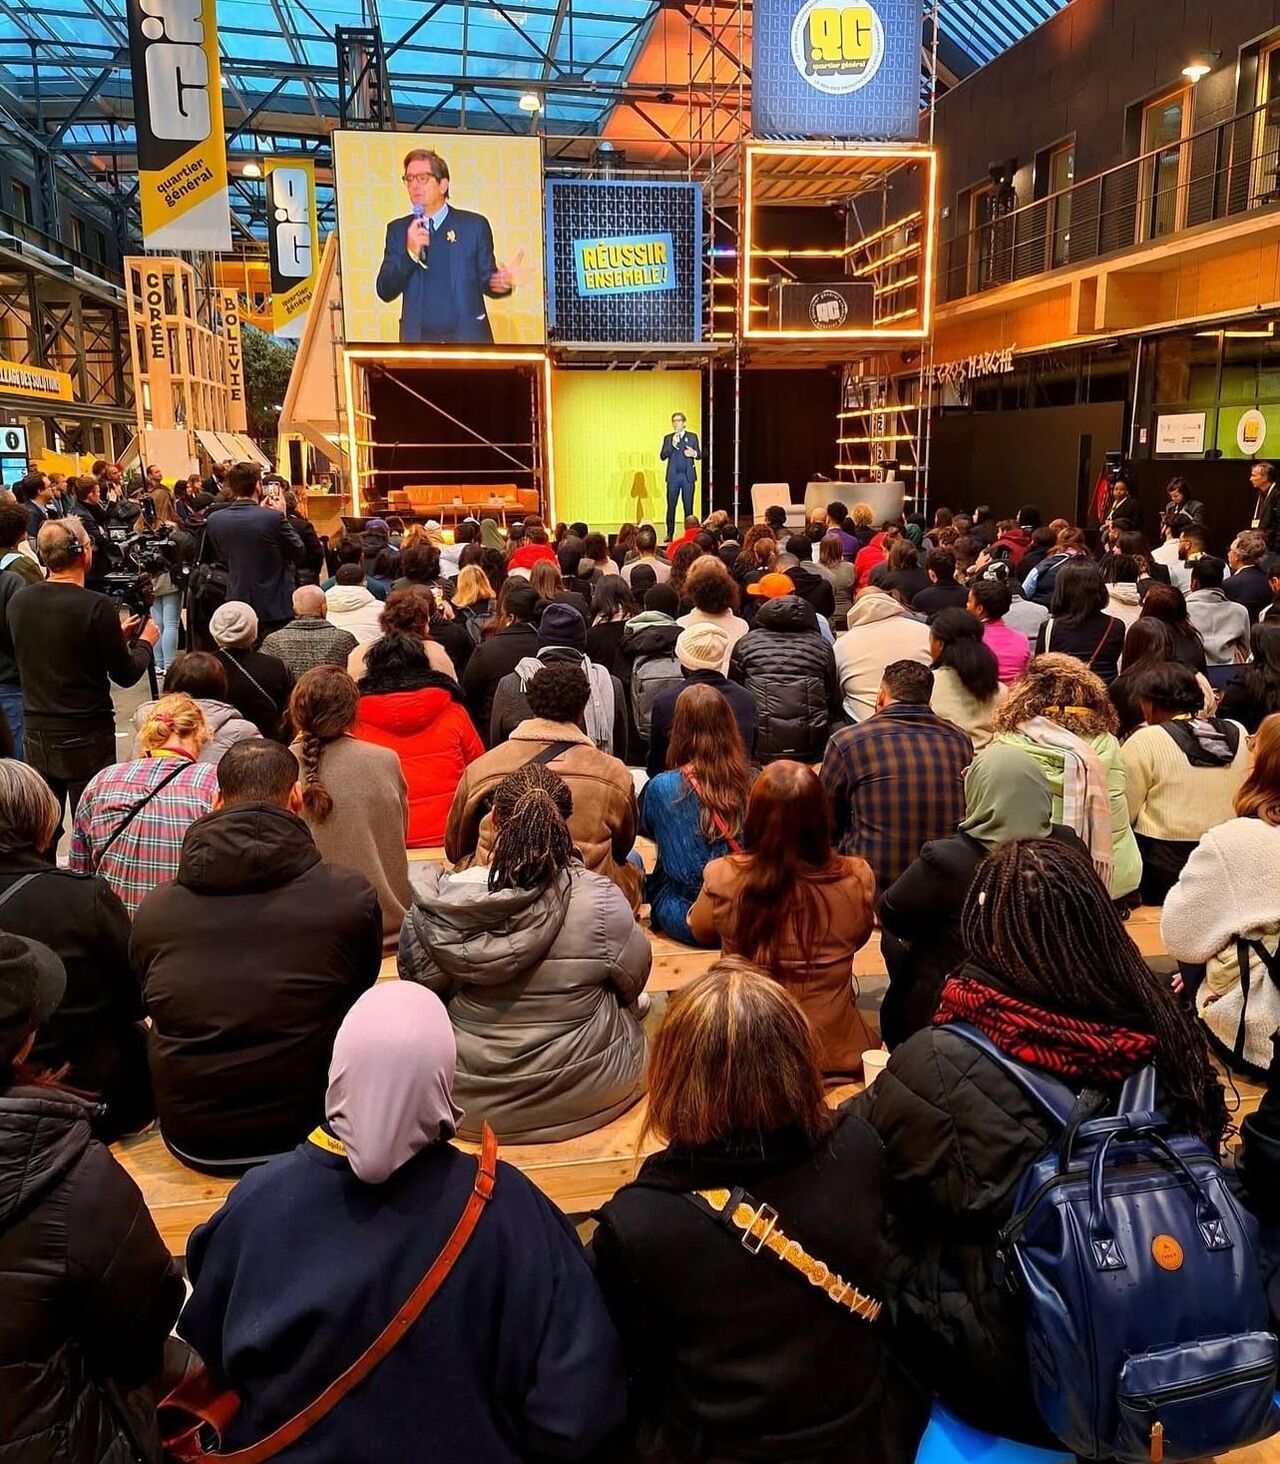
90, 1290
958, 1135
787, 665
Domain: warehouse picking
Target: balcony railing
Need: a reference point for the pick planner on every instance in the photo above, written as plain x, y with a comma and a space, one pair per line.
1223, 171
26, 233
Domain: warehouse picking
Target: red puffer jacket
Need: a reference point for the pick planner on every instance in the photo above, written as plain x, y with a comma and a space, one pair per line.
433, 737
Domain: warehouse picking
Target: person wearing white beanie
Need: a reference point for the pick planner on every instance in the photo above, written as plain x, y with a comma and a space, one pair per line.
258, 685
701, 651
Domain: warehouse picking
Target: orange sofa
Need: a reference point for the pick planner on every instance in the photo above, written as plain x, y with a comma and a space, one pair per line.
457, 500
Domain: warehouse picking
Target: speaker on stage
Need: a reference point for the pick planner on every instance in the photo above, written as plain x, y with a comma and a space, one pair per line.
842, 304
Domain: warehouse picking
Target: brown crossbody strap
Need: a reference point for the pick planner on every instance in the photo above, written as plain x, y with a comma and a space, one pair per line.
758, 1228
290, 1432
733, 844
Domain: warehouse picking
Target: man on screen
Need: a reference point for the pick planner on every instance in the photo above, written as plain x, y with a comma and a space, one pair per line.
439, 261
680, 451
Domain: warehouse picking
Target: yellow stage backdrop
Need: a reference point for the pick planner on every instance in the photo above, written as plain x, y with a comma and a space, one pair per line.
497, 178
608, 429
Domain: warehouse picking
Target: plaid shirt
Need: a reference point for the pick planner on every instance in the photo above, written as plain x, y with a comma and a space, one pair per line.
309, 641
146, 854
895, 782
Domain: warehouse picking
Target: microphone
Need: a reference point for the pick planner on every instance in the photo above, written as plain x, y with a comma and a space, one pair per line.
419, 214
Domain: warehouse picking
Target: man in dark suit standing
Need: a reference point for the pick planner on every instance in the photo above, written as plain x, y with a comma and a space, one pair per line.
258, 546
439, 261
680, 450
1266, 511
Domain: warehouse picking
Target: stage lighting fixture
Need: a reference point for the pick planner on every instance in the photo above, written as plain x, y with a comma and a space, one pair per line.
530, 102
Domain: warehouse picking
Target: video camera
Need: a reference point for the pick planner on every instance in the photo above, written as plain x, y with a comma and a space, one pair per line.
142, 557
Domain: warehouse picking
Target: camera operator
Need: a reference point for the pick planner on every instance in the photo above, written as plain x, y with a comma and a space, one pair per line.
92, 513
70, 644
259, 547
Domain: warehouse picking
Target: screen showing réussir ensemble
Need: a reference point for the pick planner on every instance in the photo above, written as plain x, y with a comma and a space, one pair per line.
624, 261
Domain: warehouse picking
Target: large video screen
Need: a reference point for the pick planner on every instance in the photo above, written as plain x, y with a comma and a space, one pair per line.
440, 238
624, 261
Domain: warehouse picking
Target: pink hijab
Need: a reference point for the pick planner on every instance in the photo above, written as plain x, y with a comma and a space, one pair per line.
391, 1078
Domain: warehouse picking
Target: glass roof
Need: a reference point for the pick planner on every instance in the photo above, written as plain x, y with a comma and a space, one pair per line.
450, 63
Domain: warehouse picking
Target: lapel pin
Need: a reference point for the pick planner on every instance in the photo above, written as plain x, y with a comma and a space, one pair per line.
451, 237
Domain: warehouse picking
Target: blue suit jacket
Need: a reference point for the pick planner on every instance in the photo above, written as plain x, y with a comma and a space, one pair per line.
424, 315
259, 548
680, 469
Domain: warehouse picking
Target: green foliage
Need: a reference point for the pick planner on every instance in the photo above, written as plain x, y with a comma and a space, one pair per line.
267, 364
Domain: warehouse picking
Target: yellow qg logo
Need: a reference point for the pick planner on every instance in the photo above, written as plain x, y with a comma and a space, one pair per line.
837, 48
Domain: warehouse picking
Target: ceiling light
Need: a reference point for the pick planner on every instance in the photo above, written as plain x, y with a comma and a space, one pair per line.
530, 102
251, 170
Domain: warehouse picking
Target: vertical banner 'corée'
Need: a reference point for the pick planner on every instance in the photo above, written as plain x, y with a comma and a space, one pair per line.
177, 106
237, 411
294, 240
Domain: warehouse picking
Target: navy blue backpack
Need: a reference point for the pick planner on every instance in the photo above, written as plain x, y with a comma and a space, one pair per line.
1147, 1324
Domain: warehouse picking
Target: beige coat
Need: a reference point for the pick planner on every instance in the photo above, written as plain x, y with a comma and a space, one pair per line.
880, 632
953, 700
603, 822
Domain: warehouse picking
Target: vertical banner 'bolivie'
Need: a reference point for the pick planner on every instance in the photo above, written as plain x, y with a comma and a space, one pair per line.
294, 240
177, 107
237, 415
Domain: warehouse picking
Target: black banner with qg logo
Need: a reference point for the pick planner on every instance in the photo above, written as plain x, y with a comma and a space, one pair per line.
624, 261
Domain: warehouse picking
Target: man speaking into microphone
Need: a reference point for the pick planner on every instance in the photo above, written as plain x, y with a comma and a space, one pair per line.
439, 261
680, 451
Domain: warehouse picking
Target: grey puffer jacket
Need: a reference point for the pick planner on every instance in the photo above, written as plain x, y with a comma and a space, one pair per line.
539, 986
225, 722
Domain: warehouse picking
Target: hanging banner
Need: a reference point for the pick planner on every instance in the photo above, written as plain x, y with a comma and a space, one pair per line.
836, 68
293, 237
177, 108
237, 418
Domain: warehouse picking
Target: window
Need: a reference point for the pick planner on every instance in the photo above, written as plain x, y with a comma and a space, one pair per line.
1266, 139
77, 234
98, 245
1163, 192
20, 193
1062, 177
981, 236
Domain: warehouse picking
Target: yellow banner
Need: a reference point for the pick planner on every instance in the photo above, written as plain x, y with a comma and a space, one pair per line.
35, 381
177, 90
237, 419
293, 237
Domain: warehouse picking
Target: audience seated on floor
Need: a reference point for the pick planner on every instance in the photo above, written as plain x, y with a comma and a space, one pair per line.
562, 636
90, 1289
508, 638
1182, 771
724, 1344
1223, 626
204, 678
258, 685
989, 602
715, 600
1078, 623
315, 1254
694, 811
788, 667
1060, 713
612, 605
132, 816
417, 712
881, 630
309, 639
603, 821
354, 797
541, 965
352, 606
406, 612
1221, 919
793, 906
896, 781
1053, 980
1167, 603
647, 666
966, 675
699, 655
248, 963
1254, 693
1148, 645
1007, 796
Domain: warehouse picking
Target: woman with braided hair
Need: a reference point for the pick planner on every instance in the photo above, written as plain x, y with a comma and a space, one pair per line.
541, 965
354, 796
1053, 980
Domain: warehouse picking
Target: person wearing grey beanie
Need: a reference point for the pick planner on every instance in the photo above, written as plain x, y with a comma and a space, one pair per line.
258, 685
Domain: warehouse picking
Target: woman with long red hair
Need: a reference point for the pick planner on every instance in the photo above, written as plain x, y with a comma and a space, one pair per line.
796, 908
694, 812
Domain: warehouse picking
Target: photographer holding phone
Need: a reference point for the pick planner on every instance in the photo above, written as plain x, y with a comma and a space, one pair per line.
70, 644
252, 536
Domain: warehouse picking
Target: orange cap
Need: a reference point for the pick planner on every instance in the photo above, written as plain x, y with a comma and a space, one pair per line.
772, 586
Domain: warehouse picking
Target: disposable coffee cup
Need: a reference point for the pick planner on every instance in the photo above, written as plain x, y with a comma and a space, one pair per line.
873, 1063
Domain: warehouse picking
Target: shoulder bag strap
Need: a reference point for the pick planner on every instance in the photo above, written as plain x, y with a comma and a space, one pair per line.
251, 679
398, 1327
139, 806
1048, 633
21, 883
551, 752
757, 1227
1097, 650
687, 770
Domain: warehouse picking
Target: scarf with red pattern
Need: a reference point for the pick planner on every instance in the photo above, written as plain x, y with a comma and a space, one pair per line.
1070, 1047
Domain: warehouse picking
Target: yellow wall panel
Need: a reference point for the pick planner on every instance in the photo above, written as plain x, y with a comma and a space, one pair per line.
608, 428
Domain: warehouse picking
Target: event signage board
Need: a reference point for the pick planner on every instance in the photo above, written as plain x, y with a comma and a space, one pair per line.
836, 68
34, 381
293, 241
177, 112
624, 261
440, 238
1180, 432
237, 407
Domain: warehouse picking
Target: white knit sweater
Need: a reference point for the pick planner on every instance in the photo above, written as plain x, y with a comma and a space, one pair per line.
1230, 886
1170, 799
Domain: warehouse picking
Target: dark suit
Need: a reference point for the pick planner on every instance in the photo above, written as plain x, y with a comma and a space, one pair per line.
681, 475
443, 300
258, 547
1266, 516
1128, 509
1248, 587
